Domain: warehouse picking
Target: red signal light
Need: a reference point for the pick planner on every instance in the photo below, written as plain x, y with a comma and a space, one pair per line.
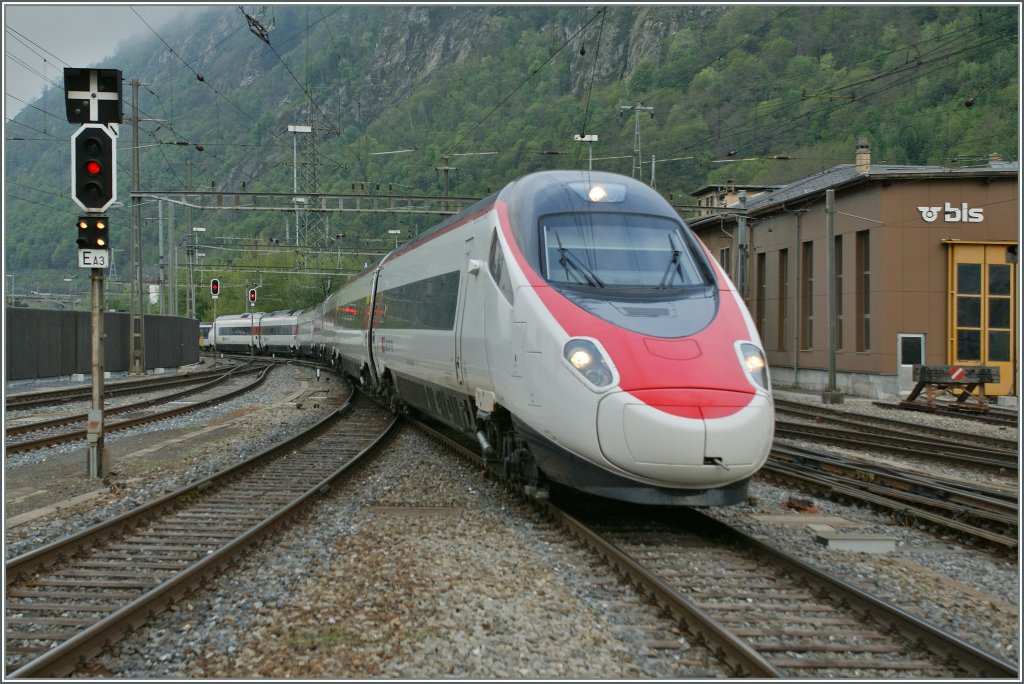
252, 296
93, 168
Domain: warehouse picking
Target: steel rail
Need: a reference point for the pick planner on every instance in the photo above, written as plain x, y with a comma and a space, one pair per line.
920, 447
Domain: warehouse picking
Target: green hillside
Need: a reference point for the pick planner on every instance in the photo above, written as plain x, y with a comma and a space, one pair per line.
500, 92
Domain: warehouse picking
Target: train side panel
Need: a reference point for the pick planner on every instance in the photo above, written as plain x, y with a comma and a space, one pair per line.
343, 326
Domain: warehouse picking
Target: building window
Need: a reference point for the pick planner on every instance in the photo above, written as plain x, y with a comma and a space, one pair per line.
837, 290
863, 291
725, 259
761, 286
1000, 307
807, 296
783, 298
910, 350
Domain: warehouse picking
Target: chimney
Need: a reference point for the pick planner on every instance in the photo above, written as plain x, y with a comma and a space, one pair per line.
863, 158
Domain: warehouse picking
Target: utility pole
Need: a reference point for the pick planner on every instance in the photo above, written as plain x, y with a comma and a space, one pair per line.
190, 295
831, 395
138, 341
638, 171
445, 169
172, 263
162, 287
742, 240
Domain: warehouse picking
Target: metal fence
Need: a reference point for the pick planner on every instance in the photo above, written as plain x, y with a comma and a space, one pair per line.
45, 344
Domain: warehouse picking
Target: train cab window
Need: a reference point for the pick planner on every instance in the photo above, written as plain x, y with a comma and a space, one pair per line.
625, 251
498, 269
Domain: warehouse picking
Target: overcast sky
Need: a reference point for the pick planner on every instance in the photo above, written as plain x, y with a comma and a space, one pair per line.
40, 40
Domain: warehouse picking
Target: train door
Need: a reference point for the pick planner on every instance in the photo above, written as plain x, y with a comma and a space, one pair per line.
982, 304
470, 357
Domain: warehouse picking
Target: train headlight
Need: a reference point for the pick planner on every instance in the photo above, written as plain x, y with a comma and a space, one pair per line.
586, 359
599, 192
754, 363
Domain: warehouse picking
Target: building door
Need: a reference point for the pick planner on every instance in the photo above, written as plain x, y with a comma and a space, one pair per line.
909, 353
982, 306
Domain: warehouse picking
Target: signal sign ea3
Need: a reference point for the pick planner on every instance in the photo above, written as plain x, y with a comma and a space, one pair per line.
93, 258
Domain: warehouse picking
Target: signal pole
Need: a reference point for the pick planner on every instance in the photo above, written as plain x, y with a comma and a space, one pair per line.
93, 99
99, 462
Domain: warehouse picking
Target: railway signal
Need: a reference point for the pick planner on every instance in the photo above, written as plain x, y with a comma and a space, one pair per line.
93, 95
214, 287
93, 233
252, 296
93, 167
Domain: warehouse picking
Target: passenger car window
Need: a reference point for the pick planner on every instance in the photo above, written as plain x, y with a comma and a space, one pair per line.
496, 265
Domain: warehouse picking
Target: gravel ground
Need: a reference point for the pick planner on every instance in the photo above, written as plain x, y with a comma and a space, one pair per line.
424, 570
371, 585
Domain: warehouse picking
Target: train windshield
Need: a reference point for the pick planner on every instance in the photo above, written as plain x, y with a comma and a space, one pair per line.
620, 251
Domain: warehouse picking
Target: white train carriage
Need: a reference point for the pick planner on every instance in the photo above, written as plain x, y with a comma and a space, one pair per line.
278, 333
235, 333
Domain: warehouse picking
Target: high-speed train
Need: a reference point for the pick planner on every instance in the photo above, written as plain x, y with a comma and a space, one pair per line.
257, 333
578, 329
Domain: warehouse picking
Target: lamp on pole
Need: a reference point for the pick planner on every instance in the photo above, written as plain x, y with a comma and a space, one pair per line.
70, 279
590, 148
190, 251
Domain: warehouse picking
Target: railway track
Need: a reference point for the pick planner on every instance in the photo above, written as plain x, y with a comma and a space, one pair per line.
18, 438
24, 400
894, 427
893, 437
768, 614
992, 416
983, 513
67, 600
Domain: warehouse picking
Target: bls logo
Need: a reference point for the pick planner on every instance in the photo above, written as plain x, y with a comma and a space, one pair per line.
961, 214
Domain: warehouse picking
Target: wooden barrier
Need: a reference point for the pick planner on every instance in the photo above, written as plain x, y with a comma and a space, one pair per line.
957, 381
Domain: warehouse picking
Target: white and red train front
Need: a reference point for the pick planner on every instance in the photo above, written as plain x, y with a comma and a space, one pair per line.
579, 305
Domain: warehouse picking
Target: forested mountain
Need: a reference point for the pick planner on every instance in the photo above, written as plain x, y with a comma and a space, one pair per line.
925, 85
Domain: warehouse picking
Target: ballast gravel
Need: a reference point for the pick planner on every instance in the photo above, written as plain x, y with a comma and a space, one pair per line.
419, 570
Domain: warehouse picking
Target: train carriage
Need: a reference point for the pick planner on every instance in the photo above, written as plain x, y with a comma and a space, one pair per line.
278, 333
236, 333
